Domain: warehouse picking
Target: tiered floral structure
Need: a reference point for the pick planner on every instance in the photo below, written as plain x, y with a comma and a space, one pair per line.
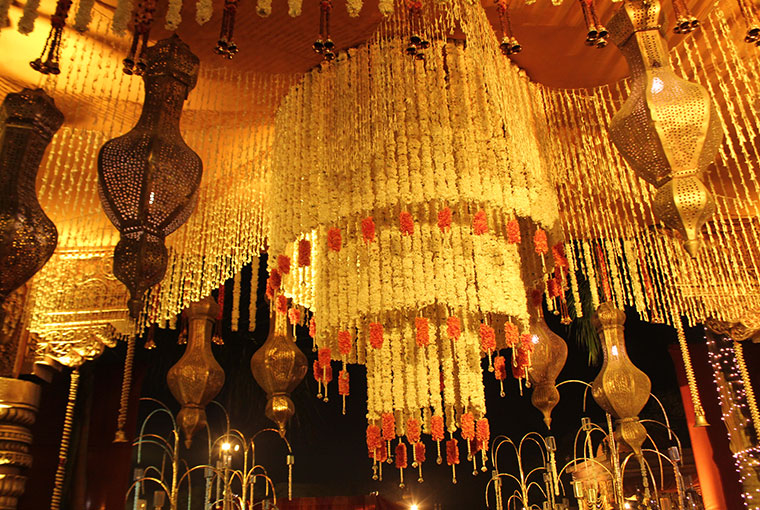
410, 211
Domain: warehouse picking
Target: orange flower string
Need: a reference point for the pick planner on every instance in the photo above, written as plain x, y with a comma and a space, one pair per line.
334, 239
283, 264
344, 343
343, 386
368, 229
558, 254
513, 232
389, 426
540, 242
324, 357
318, 377
436, 431
484, 437
467, 423
282, 304
444, 219
419, 457
422, 331
453, 327
294, 314
374, 440
376, 335
500, 371
452, 457
511, 334
406, 223
304, 253
275, 279
480, 223
413, 430
401, 461
488, 342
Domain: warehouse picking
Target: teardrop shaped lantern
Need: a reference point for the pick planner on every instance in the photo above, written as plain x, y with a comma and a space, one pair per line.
148, 178
621, 389
197, 377
28, 121
668, 129
279, 366
547, 360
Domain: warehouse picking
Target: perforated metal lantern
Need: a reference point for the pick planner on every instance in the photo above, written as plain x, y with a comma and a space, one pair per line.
279, 366
668, 129
28, 120
197, 377
148, 178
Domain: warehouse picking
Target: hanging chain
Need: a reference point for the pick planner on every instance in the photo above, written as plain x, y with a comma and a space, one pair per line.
126, 386
63, 452
699, 411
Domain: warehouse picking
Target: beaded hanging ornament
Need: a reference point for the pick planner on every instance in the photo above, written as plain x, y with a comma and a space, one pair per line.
48, 62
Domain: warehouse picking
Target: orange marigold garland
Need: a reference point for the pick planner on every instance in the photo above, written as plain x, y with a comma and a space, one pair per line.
500, 371
467, 424
344, 344
343, 386
368, 229
480, 223
318, 377
540, 242
283, 264
334, 239
376, 335
282, 304
422, 331
483, 434
511, 334
294, 314
374, 447
275, 279
419, 456
453, 328
452, 457
513, 232
444, 219
401, 461
413, 430
406, 223
304, 253
488, 342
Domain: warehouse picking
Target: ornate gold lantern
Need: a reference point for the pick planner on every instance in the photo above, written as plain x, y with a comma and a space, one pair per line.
547, 360
668, 129
620, 389
28, 120
197, 377
148, 178
19, 401
279, 366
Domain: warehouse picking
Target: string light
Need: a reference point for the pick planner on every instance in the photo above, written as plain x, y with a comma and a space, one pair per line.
733, 396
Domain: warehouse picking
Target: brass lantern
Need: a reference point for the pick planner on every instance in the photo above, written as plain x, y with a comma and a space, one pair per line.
620, 389
148, 178
547, 360
668, 129
279, 366
197, 377
28, 120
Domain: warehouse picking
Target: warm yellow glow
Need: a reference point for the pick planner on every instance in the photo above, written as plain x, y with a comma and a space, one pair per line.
414, 507
226, 447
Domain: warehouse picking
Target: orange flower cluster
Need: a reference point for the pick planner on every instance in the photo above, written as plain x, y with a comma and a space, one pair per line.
406, 223
540, 242
413, 430
444, 219
487, 338
468, 426
388, 421
344, 342
453, 328
422, 331
452, 452
376, 335
500, 368
401, 461
334, 239
282, 304
483, 432
304, 253
368, 229
294, 314
343, 385
283, 264
480, 223
513, 232
436, 428
511, 334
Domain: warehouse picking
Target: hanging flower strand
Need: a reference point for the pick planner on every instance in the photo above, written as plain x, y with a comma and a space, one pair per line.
53, 43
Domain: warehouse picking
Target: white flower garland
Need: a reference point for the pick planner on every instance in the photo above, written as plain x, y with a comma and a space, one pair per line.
174, 15
26, 23
121, 17
235, 315
354, 7
254, 294
203, 11
294, 8
84, 15
385, 7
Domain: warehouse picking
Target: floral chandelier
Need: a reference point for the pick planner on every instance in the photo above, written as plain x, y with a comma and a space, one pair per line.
410, 212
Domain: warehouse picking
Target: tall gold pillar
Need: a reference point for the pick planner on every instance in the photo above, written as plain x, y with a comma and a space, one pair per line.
19, 402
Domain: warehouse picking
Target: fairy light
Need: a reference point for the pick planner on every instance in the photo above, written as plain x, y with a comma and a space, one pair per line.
732, 382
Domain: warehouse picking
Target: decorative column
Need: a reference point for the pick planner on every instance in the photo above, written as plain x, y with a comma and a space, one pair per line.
19, 401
